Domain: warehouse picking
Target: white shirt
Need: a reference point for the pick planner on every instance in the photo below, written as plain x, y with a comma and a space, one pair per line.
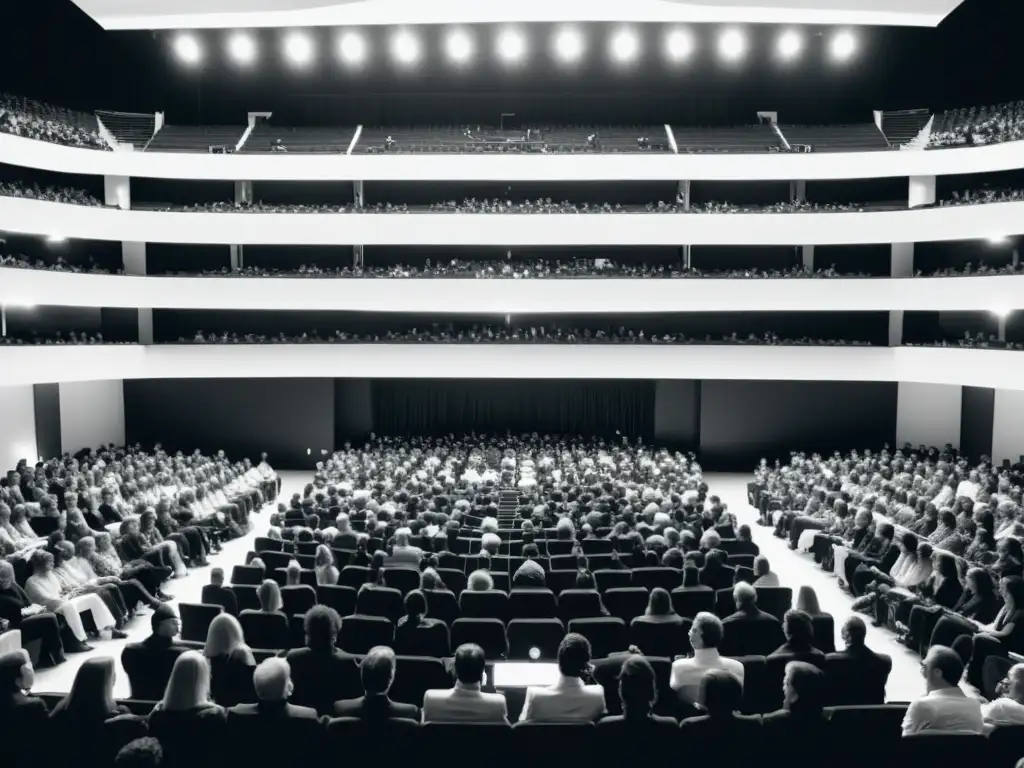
567, 701
1002, 712
968, 489
464, 704
947, 709
687, 673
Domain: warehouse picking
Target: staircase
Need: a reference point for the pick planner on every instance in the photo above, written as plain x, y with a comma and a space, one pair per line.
129, 127
902, 126
508, 502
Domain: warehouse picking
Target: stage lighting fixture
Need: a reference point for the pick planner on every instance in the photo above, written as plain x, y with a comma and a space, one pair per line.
187, 49
352, 48
625, 45
569, 45
405, 48
459, 45
242, 48
299, 49
678, 45
843, 46
790, 44
732, 45
511, 46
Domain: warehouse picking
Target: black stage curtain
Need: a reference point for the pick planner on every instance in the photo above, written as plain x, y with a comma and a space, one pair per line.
434, 407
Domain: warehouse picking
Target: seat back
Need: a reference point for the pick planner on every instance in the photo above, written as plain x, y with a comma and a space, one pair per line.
852, 682
361, 633
607, 635
626, 603
148, 671
195, 620
492, 604
689, 601
661, 639
266, 544
354, 576
265, 630
579, 604
247, 574
247, 596
543, 634
489, 634
222, 596
380, 601
298, 599
441, 604
415, 675
824, 632
938, 748
775, 600
532, 604
651, 577
1006, 745
341, 599
608, 578
757, 700
454, 579
405, 580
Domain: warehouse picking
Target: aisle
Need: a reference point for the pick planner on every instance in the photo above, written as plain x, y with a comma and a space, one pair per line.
188, 589
796, 569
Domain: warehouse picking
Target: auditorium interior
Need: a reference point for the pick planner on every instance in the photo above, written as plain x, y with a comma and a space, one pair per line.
551, 382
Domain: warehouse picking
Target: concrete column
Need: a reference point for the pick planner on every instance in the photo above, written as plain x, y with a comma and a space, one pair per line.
243, 192
1016, 258
357, 193
1001, 327
117, 191
807, 253
901, 265
921, 191
687, 261
357, 256
798, 191
683, 194
237, 258
133, 256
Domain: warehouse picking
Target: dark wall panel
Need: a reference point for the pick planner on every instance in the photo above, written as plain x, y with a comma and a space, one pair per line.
353, 410
284, 417
677, 413
46, 399
977, 412
740, 421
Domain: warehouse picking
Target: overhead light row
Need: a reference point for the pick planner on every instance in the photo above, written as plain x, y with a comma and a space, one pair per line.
511, 46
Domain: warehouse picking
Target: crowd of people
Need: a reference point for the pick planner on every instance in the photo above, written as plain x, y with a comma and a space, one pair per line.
66, 195
58, 338
91, 267
500, 334
977, 126
978, 340
983, 197
930, 544
44, 122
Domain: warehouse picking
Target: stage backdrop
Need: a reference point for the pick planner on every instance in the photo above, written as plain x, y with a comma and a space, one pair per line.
431, 407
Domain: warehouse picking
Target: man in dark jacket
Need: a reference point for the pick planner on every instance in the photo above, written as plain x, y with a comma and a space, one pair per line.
377, 671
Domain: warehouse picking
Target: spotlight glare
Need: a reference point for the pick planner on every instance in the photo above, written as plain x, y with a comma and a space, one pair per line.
625, 45
352, 48
569, 45
732, 45
534, 652
56, 239
790, 45
459, 46
511, 46
187, 49
1001, 312
998, 240
405, 48
843, 46
242, 48
299, 49
678, 45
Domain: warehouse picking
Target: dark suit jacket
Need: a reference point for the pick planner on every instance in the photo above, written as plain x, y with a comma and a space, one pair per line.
276, 733
321, 677
745, 548
222, 596
751, 634
736, 739
811, 654
802, 738
717, 578
375, 708
25, 724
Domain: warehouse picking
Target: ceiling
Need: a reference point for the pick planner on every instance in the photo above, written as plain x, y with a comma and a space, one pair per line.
219, 14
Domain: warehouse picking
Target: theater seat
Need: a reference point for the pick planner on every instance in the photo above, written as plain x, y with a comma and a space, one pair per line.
824, 632
361, 633
1006, 745
341, 599
756, 699
542, 742
608, 578
489, 634
660, 638
442, 604
354, 576
490, 604
851, 682
414, 675
275, 560
689, 601
405, 580
626, 603
849, 725
246, 574
378, 742
491, 739
196, 618
532, 604
579, 604
938, 748
453, 579
265, 630
543, 634
607, 635
247, 596
298, 599
649, 578
774, 600
148, 671
380, 601
267, 544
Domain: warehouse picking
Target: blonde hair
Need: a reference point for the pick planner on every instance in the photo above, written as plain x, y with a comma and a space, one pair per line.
224, 636
270, 596
189, 684
807, 600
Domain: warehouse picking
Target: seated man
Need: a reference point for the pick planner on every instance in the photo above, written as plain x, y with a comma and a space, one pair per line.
321, 671
465, 703
1008, 709
705, 637
944, 707
402, 554
273, 684
377, 671
35, 622
799, 632
750, 631
215, 593
569, 700
530, 573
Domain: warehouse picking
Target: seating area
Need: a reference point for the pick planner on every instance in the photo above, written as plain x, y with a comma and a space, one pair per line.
978, 126
751, 138
266, 137
185, 138
489, 139
45, 122
862, 137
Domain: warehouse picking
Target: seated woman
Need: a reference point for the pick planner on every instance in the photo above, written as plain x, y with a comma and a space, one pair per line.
323, 566
823, 623
916, 617
978, 605
132, 591
36, 624
231, 662
185, 719
73, 577
269, 595
411, 626
763, 574
912, 574
106, 562
45, 588
190, 540
1009, 560
1003, 636
79, 717
154, 540
135, 547
12, 539
638, 693
430, 581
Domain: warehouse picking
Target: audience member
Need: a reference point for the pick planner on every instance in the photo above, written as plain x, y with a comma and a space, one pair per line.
569, 699
466, 702
706, 634
377, 671
944, 707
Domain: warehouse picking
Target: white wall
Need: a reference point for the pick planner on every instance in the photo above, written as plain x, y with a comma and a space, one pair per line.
17, 426
928, 414
921, 225
1008, 426
91, 414
15, 150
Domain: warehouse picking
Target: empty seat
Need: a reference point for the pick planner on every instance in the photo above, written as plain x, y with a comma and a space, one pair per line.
265, 630
562, 563
354, 576
247, 574
341, 599
489, 634
361, 633
441, 604
267, 544
649, 578
247, 596
380, 601
775, 600
298, 599
542, 634
403, 579
579, 604
532, 604
415, 675
491, 604
596, 546
195, 620
667, 639
275, 560
824, 632
626, 603
606, 635
689, 601
613, 579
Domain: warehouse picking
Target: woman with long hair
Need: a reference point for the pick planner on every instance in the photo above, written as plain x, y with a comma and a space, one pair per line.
185, 720
105, 561
74, 576
1005, 635
269, 595
154, 540
78, 718
979, 603
45, 588
323, 566
231, 661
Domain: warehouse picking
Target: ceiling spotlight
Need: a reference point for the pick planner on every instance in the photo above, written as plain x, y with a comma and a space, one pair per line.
678, 45
569, 45
843, 46
405, 48
1001, 312
790, 44
352, 48
625, 45
511, 45
242, 48
56, 239
998, 240
299, 49
187, 49
459, 45
732, 45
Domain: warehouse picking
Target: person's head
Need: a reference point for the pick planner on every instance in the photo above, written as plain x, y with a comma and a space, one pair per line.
659, 603
490, 543
270, 596
803, 687
721, 692
189, 684
144, 752
909, 543
6, 575
324, 558
224, 636
1013, 685
480, 581
585, 579
321, 625
85, 547
706, 631
257, 562
430, 579
980, 582
574, 655
377, 670
293, 573
16, 672
217, 577
164, 621
637, 689
807, 601
1011, 588
744, 596
92, 691
415, 604
854, 632
469, 664
942, 668
531, 551
710, 539
743, 533
798, 628
272, 680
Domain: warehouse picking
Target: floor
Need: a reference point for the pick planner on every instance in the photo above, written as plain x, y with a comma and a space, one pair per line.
794, 570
